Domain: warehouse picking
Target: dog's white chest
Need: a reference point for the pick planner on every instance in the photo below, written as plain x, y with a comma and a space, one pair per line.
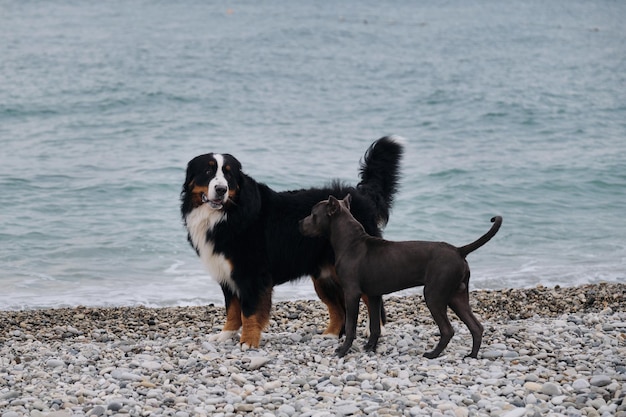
199, 222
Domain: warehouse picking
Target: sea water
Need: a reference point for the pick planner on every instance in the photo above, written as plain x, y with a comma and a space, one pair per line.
506, 108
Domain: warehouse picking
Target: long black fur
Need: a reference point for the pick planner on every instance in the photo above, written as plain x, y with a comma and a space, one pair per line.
260, 235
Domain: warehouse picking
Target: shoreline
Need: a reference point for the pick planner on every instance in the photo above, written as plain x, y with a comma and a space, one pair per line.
559, 350
513, 304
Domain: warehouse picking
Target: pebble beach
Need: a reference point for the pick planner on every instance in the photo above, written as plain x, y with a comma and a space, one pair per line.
546, 351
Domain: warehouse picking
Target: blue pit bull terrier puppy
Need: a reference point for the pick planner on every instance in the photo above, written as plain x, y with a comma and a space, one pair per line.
373, 266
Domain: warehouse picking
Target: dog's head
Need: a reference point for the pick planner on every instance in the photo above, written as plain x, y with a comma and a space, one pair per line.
212, 179
317, 224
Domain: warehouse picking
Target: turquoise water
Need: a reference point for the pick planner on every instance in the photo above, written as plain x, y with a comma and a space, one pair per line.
517, 109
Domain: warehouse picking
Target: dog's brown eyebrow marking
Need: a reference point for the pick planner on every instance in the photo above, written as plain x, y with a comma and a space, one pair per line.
211, 163
227, 167
197, 189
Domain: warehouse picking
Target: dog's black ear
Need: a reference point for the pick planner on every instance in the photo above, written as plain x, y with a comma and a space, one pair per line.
347, 201
187, 185
333, 205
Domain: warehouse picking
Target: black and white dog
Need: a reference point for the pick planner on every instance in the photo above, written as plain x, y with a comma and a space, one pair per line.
247, 234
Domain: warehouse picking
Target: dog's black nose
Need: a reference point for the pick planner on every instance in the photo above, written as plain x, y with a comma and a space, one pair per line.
220, 190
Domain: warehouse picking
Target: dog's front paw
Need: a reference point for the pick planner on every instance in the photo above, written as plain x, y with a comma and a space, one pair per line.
223, 336
431, 355
342, 350
370, 346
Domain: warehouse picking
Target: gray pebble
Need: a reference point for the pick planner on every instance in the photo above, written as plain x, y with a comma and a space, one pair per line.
257, 362
347, 409
54, 363
492, 354
287, 409
114, 406
531, 378
600, 380
151, 365
244, 408
580, 385
9, 395
550, 388
516, 412
98, 410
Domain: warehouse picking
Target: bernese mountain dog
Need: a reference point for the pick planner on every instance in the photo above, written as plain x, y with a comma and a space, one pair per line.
248, 238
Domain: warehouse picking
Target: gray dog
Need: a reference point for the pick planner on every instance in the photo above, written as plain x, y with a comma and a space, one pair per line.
374, 266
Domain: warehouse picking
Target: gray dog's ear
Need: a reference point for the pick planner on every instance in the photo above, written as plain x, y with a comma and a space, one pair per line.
333, 205
347, 201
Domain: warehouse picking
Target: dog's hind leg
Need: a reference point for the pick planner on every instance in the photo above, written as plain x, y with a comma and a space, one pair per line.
459, 303
438, 306
375, 311
330, 292
382, 315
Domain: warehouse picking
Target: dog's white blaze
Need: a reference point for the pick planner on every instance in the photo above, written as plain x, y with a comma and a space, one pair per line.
199, 221
219, 179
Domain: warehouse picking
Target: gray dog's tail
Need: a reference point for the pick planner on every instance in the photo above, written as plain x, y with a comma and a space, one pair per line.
380, 171
467, 249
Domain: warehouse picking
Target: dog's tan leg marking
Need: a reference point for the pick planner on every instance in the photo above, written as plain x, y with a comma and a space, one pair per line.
233, 315
233, 322
254, 324
336, 311
336, 319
